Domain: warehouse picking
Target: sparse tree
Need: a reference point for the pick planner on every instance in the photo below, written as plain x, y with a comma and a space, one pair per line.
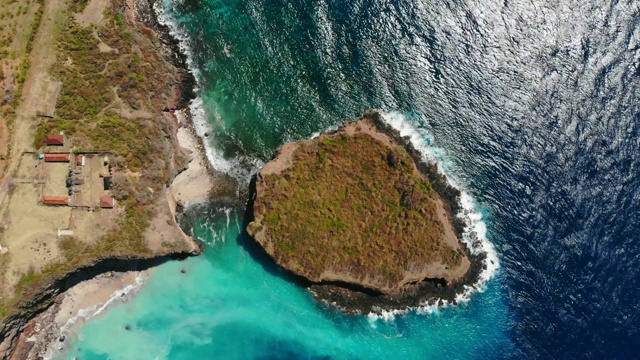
121, 187
117, 162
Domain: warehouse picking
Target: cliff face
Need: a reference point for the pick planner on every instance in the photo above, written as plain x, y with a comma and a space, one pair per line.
149, 102
17, 327
358, 218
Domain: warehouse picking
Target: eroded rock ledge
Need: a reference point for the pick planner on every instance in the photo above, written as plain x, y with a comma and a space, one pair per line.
358, 218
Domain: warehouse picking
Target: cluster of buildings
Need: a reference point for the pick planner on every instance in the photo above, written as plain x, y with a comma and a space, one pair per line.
89, 177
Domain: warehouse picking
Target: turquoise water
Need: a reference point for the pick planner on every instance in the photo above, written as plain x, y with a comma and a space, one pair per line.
297, 68
231, 304
534, 108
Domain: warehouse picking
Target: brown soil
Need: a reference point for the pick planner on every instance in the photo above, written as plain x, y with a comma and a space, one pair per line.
351, 209
143, 225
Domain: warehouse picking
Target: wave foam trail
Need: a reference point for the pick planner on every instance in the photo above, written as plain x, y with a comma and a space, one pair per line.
475, 234
84, 315
164, 13
240, 168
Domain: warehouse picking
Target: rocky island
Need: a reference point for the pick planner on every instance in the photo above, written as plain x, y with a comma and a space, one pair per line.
361, 220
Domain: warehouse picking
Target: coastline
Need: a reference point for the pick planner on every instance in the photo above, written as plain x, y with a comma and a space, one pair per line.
193, 185
54, 329
181, 194
87, 292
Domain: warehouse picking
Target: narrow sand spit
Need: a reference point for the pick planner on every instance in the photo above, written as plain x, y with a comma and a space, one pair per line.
192, 185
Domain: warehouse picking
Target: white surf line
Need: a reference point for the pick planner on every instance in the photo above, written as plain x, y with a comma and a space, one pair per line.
475, 233
86, 314
474, 236
199, 118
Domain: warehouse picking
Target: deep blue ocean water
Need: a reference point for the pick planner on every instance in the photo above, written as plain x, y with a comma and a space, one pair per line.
532, 107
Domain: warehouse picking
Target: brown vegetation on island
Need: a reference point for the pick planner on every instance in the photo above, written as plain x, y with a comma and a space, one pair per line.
352, 207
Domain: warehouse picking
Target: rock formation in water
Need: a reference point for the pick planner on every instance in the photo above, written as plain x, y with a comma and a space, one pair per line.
358, 218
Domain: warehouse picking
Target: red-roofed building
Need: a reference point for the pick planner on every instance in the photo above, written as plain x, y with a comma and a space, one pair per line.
107, 202
57, 157
56, 140
56, 200
80, 160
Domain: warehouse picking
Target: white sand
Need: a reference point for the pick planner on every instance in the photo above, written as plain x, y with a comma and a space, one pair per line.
192, 185
54, 329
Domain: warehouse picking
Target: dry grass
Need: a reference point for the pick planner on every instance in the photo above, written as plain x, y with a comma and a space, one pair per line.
350, 204
19, 22
31, 233
89, 112
97, 85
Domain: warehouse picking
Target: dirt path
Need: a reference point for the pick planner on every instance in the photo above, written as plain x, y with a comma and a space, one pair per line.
39, 92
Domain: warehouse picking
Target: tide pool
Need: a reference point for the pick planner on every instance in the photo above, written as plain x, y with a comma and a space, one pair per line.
230, 303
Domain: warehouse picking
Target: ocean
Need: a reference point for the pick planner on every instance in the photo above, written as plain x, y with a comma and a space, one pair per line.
530, 107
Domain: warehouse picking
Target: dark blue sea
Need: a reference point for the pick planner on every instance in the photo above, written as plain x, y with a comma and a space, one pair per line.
530, 107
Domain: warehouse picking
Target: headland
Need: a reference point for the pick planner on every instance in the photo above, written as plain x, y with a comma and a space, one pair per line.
97, 155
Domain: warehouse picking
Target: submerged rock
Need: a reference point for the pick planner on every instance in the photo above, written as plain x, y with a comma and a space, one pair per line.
360, 220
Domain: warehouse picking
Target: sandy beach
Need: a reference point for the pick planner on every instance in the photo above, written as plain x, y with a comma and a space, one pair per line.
191, 186
54, 329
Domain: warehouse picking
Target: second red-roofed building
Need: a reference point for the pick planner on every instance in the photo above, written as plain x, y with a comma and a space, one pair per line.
55, 140
57, 157
107, 202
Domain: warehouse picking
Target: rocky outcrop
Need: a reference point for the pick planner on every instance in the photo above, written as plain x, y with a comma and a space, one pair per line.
345, 276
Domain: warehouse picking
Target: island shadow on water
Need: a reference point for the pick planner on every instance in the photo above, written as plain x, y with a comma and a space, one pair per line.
354, 298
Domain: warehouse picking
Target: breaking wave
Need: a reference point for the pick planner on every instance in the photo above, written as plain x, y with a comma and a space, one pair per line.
69, 329
240, 168
475, 233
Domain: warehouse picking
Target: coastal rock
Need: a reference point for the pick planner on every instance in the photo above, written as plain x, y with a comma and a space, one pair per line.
358, 218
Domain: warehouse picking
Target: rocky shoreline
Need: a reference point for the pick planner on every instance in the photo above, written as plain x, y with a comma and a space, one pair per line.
22, 335
357, 297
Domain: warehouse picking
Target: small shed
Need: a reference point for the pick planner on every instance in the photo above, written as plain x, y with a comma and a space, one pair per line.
80, 160
107, 202
57, 157
55, 140
56, 200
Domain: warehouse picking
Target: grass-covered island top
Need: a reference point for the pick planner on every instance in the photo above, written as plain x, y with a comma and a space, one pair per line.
351, 215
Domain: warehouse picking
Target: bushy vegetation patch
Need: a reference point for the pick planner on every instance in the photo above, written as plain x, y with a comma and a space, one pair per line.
353, 205
97, 65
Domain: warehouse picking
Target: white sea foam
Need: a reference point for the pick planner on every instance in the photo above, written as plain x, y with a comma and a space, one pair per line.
240, 168
164, 13
475, 233
84, 315
474, 236
385, 315
93, 311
